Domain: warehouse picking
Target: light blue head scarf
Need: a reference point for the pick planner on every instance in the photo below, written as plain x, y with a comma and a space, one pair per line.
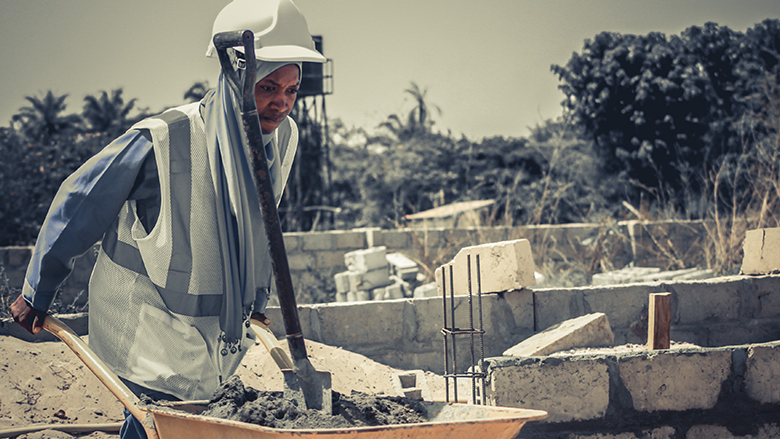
244, 251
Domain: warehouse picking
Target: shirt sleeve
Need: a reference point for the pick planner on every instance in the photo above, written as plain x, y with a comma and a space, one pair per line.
85, 205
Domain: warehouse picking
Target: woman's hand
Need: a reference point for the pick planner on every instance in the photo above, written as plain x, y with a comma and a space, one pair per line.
31, 319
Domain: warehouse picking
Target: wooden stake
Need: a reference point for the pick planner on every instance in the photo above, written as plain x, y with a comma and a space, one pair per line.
659, 319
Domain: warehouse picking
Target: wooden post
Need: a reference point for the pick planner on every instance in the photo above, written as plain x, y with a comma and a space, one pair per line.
659, 318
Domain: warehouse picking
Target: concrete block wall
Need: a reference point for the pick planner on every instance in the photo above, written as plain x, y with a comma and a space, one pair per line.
728, 392
406, 333
314, 258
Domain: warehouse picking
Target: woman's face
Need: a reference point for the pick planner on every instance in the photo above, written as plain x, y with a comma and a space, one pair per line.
275, 95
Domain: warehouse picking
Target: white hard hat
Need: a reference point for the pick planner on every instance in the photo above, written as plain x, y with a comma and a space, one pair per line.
281, 32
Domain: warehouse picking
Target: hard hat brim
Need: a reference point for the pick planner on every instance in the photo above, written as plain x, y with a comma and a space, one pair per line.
279, 54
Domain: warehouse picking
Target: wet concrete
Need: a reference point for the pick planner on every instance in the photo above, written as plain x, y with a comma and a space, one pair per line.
242, 403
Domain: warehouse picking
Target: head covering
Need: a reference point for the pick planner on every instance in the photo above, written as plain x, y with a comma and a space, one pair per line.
245, 252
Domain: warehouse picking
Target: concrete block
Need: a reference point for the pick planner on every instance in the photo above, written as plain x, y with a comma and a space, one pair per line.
585, 331
622, 304
503, 266
711, 301
349, 239
426, 290
366, 259
402, 266
396, 239
329, 259
394, 292
369, 280
521, 305
342, 282
426, 238
554, 306
341, 297
675, 380
761, 250
762, 373
317, 241
292, 241
768, 294
301, 261
569, 390
363, 324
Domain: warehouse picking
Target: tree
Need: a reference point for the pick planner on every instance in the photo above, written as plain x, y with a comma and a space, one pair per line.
197, 91
417, 122
659, 109
107, 114
43, 119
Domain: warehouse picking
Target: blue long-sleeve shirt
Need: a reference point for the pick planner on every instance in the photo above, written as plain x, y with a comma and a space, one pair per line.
86, 205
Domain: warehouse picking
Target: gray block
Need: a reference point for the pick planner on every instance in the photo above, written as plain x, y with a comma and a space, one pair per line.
568, 390
671, 380
762, 369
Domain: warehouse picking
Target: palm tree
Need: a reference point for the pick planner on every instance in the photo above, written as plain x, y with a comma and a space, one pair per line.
42, 120
197, 91
419, 117
107, 114
418, 121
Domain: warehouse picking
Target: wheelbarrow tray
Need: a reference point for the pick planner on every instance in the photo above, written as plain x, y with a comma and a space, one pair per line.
446, 421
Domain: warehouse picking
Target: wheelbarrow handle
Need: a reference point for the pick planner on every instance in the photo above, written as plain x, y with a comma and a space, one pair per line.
103, 373
272, 345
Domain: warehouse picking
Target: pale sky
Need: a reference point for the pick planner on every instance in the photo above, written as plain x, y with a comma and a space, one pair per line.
485, 63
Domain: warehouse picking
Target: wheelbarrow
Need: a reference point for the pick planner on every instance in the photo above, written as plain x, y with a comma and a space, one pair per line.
445, 420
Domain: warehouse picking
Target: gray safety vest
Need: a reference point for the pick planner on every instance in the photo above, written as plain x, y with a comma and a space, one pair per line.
155, 298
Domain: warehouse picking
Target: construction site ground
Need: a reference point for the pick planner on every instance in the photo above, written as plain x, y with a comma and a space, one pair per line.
45, 383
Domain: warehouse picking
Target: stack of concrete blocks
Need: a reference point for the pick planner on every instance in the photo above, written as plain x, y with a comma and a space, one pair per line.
503, 266
373, 274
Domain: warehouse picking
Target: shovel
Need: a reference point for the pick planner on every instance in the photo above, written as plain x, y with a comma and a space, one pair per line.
309, 387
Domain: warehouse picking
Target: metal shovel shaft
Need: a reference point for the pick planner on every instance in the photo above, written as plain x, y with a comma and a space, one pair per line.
313, 383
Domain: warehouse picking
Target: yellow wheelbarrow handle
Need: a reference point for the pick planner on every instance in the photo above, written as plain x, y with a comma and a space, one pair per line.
269, 341
103, 373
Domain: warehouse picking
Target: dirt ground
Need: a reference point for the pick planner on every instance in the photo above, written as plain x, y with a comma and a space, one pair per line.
45, 383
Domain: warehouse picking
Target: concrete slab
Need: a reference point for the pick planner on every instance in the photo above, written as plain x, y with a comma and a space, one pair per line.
761, 250
665, 380
588, 330
503, 266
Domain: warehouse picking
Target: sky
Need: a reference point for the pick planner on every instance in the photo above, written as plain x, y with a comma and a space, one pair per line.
484, 63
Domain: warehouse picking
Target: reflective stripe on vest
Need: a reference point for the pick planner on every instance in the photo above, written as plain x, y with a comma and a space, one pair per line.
175, 293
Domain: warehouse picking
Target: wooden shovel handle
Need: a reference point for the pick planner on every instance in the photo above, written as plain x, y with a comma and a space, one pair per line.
96, 365
269, 341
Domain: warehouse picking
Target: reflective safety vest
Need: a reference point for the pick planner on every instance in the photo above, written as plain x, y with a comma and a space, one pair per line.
155, 298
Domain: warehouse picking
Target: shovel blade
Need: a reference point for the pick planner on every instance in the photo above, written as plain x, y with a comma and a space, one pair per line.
311, 389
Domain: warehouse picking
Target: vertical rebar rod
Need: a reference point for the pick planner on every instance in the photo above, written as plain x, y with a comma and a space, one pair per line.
454, 341
444, 332
482, 333
471, 331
